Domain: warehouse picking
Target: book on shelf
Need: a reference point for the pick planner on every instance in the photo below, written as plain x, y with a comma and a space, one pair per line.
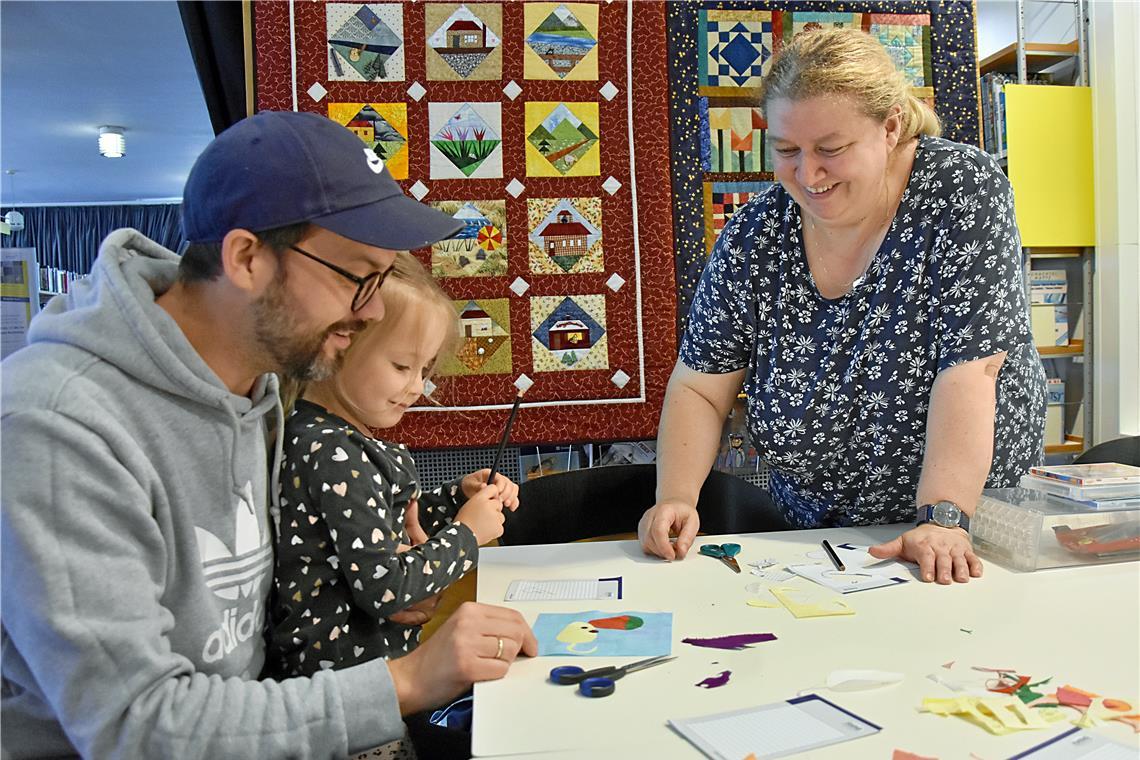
56, 280
1050, 323
993, 108
1089, 474
1054, 411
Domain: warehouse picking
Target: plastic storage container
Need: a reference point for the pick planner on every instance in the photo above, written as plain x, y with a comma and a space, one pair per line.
1030, 530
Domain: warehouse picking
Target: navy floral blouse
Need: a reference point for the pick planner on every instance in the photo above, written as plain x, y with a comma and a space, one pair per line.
838, 389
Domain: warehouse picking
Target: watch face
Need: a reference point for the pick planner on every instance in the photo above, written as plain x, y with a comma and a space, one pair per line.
946, 514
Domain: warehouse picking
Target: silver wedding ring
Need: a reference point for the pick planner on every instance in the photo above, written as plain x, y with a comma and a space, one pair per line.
499, 651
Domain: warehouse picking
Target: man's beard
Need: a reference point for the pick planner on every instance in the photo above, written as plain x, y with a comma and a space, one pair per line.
288, 350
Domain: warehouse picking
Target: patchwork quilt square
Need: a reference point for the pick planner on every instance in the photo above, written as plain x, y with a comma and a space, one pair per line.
466, 140
561, 41
464, 41
568, 333
562, 139
383, 127
565, 235
735, 48
808, 20
365, 42
485, 339
480, 248
734, 141
907, 40
722, 200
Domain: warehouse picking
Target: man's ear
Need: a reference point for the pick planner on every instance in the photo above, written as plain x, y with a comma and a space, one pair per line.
246, 262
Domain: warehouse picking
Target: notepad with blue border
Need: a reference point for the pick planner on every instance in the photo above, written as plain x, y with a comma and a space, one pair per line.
776, 730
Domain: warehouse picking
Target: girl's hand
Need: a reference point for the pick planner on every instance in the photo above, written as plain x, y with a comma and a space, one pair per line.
508, 490
483, 514
940, 553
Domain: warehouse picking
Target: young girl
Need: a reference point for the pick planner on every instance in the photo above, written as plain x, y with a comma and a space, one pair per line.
344, 564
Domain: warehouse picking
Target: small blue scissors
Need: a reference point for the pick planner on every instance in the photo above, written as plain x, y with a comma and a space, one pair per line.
599, 682
726, 553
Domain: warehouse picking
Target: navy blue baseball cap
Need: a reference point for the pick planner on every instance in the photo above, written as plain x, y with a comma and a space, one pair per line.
278, 168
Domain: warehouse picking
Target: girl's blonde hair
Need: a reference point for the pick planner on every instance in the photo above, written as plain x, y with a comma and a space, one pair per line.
847, 62
408, 292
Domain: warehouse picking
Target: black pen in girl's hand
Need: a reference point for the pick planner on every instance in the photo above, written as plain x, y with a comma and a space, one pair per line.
506, 437
833, 557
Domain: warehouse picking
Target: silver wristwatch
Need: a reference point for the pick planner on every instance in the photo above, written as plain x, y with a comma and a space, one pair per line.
945, 514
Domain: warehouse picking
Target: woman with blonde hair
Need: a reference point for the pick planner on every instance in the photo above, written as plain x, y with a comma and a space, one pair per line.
870, 305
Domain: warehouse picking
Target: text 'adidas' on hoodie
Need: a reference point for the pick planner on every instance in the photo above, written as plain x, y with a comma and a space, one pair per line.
137, 554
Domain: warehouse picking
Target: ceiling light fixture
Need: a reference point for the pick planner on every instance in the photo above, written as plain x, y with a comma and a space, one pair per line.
112, 144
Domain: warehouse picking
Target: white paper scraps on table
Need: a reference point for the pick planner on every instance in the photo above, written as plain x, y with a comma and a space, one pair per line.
775, 730
861, 680
848, 581
769, 570
1077, 744
564, 590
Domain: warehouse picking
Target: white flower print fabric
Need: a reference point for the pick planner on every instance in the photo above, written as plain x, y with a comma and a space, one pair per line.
838, 389
338, 576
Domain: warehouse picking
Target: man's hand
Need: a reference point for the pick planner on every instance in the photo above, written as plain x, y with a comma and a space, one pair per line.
464, 650
508, 489
939, 552
660, 520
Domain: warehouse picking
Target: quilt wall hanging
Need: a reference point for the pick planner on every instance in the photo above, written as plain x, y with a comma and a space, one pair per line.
544, 127
718, 54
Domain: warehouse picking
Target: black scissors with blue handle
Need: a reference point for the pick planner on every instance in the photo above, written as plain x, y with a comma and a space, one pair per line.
599, 682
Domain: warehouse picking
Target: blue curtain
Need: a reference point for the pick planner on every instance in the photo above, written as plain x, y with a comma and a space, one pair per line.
68, 237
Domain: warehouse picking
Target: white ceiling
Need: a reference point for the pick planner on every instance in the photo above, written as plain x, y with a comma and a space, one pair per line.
68, 67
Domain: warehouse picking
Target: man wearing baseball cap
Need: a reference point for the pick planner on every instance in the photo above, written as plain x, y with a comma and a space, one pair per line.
137, 513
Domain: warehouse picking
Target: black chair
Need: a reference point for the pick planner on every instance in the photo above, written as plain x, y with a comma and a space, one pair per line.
1123, 450
603, 501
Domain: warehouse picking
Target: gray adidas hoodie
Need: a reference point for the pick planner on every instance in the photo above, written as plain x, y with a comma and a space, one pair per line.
136, 547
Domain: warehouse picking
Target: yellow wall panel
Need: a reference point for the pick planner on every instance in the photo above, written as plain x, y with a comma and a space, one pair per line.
1049, 133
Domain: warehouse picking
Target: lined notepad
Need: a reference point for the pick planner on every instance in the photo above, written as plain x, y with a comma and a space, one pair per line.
563, 590
1076, 744
775, 730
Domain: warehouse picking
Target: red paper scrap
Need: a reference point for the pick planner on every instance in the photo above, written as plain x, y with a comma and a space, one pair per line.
902, 754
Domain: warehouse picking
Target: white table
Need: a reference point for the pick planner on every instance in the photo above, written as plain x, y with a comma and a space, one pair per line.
1081, 626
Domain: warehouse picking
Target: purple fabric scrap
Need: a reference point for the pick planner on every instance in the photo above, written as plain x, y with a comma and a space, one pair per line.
735, 641
713, 682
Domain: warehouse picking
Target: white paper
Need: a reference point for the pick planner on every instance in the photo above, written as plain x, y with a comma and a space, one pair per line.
863, 572
856, 557
846, 582
776, 730
563, 590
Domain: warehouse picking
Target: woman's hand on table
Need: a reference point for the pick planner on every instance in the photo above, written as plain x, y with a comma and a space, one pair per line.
508, 489
942, 554
663, 519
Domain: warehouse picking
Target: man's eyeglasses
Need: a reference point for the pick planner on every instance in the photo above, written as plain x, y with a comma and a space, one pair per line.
366, 287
